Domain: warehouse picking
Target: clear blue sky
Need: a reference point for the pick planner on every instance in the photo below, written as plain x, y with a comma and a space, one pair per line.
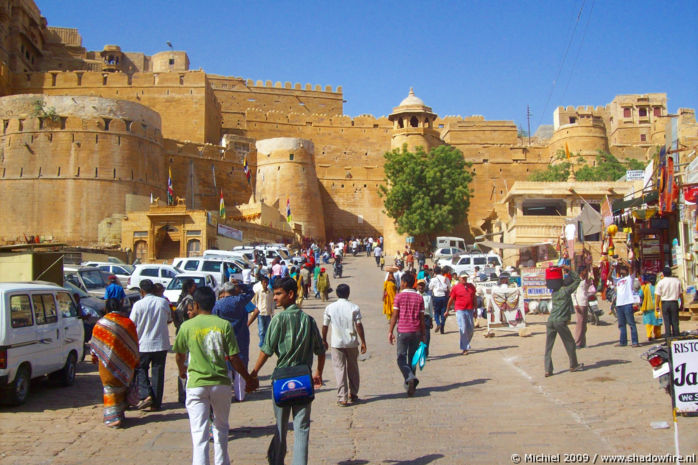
462, 57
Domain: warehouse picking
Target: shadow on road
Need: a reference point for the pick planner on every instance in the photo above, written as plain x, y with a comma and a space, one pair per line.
251, 431
605, 363
45, 394
169, 414
424, 460
489, 349
607, 343
424, 391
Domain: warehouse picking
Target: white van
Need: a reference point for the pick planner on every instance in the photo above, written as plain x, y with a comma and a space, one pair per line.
446, 241
40, 334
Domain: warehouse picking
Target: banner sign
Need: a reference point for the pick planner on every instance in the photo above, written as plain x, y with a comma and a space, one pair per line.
634, 175
227, 231
533, 283
684, 361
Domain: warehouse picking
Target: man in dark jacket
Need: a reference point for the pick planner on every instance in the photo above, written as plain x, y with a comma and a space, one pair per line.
234, 298
562, 310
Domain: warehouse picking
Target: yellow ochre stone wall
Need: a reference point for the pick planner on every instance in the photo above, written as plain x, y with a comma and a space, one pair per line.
194, 124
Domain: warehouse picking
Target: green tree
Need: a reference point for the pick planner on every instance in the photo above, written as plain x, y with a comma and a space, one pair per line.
606, 168
426, 193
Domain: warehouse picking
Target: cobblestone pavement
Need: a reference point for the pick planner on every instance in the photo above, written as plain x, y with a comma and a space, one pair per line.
479, 408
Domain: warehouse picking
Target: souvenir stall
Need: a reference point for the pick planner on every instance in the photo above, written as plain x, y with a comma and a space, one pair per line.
649, 222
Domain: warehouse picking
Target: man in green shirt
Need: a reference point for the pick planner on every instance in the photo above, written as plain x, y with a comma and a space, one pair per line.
210, 341
562, 309
294, 337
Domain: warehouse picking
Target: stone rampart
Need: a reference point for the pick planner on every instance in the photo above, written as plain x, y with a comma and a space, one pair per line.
61, 176
183, 99
285, 171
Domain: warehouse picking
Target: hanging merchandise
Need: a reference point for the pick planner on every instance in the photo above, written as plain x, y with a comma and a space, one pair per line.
668, 190
645, 213
690, 193
612, 230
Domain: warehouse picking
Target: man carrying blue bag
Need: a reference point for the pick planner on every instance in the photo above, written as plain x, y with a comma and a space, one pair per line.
294, 337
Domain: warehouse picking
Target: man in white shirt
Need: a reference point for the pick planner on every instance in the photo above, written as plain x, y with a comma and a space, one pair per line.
670, 291
263, 300
624, 306
439, 287
345, 318
247, 275
151, 315
377, 253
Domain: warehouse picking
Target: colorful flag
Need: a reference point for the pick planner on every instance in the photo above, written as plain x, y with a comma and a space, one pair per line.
221, 208
170, 191
567, 151
246, 169
288, 209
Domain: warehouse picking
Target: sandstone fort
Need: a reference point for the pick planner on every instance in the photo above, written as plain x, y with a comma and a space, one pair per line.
88, 137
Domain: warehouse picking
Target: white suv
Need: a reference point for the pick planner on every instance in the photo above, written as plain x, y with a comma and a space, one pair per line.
222, 270
162, 274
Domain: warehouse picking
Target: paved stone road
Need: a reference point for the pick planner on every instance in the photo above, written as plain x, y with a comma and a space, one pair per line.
480, 408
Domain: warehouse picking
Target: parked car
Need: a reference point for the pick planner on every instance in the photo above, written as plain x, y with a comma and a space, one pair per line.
443, 255
162, 274
174, 288
40, 334
91, 308
93, 281
222, 270
123, 272
467, 262
243, 258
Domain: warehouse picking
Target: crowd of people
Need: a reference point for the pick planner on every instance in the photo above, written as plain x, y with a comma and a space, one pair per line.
212, 335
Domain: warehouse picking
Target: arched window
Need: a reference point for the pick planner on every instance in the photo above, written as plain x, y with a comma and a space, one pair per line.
193, 248
141, 250
414, 122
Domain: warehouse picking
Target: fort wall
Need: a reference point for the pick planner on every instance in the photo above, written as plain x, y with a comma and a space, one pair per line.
236, 95
286, 172
61, 177
183, 99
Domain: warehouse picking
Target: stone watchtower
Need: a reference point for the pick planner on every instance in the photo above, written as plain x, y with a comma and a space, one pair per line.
286, 171
413, 124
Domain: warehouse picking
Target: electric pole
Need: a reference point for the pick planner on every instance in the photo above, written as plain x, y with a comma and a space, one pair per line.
528, 120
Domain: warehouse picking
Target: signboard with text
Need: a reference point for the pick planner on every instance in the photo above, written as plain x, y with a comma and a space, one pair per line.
231, 233
684, 357
533, 283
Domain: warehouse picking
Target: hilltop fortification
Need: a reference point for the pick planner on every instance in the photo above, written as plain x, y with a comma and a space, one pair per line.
111, 124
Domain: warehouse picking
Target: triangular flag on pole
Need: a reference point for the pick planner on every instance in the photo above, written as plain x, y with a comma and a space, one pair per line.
221, 208
170, 191
288, 209
246, 169
567, 151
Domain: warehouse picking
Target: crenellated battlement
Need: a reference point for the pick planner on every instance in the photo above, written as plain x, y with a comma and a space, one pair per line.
77, 79
317, 119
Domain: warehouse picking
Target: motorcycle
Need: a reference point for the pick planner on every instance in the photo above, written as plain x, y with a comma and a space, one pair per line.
337, 269
593, 312
658, 357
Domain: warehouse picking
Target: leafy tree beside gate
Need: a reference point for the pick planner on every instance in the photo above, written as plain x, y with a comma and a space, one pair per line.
426, 193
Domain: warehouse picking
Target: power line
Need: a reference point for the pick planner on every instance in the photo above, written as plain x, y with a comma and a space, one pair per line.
562, 64
579, 50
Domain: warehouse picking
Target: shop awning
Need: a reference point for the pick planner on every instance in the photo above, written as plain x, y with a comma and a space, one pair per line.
621, 204
503, 245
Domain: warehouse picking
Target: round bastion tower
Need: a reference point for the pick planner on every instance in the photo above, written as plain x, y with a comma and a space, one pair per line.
68, 162
286, 171
413, 124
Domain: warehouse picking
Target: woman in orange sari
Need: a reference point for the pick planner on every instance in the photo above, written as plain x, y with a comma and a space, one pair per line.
389, 290
114, 345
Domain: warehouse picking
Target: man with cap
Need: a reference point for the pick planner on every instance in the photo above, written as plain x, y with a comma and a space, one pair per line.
559, 318
462, 300
114, 290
